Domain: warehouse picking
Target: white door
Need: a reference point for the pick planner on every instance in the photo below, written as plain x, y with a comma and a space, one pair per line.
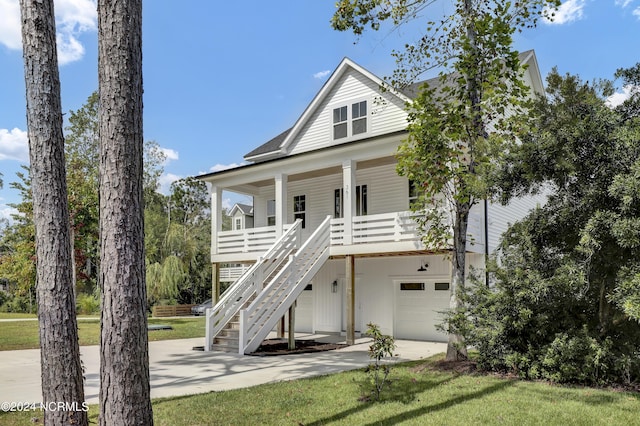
304, 311
417, 309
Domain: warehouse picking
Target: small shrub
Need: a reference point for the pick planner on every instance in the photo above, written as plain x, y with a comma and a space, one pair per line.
87, 304
382, 346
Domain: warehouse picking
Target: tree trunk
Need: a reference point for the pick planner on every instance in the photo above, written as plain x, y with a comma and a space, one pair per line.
124, 367
59, 352
456, 348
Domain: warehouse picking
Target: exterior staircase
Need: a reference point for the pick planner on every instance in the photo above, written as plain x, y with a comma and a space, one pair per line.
252, 306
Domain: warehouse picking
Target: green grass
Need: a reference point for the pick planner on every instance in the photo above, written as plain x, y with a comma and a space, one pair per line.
418, 396
16, 315
24, 334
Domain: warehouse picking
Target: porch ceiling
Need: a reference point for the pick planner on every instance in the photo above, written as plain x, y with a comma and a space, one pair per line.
326, 171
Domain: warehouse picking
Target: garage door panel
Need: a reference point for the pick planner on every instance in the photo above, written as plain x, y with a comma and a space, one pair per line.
418, 309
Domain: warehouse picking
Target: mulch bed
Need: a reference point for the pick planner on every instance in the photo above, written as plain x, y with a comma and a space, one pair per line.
273, 347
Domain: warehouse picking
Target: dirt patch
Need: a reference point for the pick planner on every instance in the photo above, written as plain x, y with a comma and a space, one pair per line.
273, 347
459, 367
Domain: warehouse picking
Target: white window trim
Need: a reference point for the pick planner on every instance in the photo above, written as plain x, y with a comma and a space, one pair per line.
349, 104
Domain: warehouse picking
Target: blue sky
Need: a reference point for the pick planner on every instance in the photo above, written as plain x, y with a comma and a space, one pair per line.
221, 78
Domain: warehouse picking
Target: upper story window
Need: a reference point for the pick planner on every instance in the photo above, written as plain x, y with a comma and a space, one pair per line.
350, 121
271, 212
300, 208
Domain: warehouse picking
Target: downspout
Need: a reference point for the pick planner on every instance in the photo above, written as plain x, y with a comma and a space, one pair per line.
486, 242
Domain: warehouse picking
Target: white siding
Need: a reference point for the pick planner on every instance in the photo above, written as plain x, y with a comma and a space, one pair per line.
382, 117
500, 217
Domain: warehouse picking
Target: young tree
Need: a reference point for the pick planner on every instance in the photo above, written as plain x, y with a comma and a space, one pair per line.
60, 354
458, 127
124, 364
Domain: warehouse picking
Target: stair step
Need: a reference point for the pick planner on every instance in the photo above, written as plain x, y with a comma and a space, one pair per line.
224, 348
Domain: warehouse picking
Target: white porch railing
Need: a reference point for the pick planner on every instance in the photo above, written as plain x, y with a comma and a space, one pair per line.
232, 273
377, 228
251, 283
248, 240
270, 305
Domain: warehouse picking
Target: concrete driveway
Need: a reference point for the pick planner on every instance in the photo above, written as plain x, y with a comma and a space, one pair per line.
177, 369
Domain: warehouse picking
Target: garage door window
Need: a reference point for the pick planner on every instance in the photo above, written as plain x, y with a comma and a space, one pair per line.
441, 286
412, 286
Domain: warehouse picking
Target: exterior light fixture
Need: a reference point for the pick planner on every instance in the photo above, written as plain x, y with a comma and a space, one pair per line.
334, 286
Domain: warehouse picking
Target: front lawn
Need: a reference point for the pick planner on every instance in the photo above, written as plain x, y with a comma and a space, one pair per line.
419, 395
24, 334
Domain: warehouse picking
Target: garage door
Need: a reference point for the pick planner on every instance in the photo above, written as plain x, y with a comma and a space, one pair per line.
417, 309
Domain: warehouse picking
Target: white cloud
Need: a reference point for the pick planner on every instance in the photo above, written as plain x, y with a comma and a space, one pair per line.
220, 167
322, 74
618, 98
6, 212
10, 24
623, 3
569, 11
14, 145
636, 12
170, 155
166, 179
73, 17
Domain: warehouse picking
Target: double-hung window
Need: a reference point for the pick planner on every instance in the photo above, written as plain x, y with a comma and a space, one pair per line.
361, 202
271, 212
300, 208
348, 122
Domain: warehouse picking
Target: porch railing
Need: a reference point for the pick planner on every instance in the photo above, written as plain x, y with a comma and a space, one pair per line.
247, 240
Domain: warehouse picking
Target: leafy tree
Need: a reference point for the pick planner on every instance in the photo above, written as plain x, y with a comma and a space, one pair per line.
60, 353
565, 302
82, 157
180, 269
458, 127
124, 362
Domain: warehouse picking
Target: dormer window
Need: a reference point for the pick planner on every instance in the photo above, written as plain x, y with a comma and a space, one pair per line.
350, 121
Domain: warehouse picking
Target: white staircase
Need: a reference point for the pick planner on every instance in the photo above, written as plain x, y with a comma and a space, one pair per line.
251, 308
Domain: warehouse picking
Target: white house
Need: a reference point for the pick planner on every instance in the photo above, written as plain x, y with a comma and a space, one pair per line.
241, 216
332, 227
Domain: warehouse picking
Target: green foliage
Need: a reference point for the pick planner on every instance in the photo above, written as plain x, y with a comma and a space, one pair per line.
564, 306
381, 347
87, 304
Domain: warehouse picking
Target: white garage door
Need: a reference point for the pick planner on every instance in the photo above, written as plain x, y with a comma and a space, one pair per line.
417, 309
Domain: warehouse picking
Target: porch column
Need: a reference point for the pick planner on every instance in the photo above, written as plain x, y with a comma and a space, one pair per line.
216, 227
216, 217
349, 202
350, 282
281, 203
215, 279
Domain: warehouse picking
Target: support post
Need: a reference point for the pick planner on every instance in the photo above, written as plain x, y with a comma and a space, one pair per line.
215, 281
280, 332
350, 282
292, 326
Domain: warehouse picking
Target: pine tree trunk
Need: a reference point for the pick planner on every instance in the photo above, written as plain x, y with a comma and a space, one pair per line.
59, 351
124, 367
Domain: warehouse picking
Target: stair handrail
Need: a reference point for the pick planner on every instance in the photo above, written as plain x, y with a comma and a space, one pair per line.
259, 318
249, 283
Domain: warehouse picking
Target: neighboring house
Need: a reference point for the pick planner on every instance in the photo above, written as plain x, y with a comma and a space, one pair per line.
241, 216
330, 183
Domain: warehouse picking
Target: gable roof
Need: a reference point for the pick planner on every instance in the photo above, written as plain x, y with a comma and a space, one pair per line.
279, 144
245, 209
